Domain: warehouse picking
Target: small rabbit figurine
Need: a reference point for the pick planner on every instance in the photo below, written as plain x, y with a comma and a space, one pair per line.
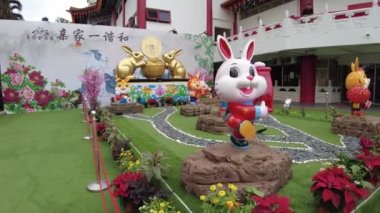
121, 91
127, 66
176, 68
195, 88
238, 84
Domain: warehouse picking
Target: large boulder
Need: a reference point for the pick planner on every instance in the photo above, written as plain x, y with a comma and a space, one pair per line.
191, 110
258, 166
356, 126
126, 108
213, 124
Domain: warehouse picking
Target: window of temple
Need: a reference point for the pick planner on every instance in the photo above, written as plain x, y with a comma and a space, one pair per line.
156, 15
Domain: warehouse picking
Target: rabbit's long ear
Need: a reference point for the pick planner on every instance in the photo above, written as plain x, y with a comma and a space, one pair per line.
224, 48
127, 49
248, 51
177, 52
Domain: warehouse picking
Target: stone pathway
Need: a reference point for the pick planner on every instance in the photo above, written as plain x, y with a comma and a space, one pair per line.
316, 149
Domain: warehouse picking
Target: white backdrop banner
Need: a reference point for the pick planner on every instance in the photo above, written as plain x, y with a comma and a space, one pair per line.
41, 61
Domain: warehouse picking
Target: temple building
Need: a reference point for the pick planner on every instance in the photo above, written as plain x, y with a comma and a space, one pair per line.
309, 44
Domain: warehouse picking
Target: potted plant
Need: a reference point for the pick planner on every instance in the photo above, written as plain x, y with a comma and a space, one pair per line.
154, 165
335, 191
92, 80
156, 204
221, 198
272, 203
142, 190
121, 186
370, 156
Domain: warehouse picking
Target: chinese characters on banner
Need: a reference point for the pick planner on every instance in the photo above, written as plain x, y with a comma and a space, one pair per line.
77, 35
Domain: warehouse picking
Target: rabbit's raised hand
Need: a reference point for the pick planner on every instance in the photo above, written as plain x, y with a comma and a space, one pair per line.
127, 66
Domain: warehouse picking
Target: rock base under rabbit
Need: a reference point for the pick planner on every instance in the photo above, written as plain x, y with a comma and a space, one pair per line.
125, 108
258, 166
195, 110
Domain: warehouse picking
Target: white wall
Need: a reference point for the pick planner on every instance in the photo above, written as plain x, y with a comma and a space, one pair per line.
221, 18
270, 16
186, 16
335, 5
130, 9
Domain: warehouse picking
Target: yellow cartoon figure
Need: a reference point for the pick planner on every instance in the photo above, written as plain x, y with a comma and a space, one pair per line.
357, 89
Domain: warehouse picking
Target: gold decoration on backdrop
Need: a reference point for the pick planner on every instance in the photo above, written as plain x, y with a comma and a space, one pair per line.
126, 67
176, 68
153, 67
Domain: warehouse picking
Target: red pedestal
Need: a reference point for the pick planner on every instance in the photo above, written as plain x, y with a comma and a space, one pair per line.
307, 78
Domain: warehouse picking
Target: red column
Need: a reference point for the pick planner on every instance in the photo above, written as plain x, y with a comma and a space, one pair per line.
307, 78
235, 27
304, 4
123, 11
209, 18
141, 14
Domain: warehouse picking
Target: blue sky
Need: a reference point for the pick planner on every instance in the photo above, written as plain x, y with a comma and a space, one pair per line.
35, 10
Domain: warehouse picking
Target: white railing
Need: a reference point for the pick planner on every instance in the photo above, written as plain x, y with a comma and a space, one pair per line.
306, 32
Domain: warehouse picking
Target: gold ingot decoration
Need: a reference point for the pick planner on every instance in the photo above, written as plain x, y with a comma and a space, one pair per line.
176, 68
126, 67
154, 67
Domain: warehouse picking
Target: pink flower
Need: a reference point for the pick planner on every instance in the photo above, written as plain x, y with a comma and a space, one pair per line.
11, 96
27, 93
61, 93
16, 79
19, 67
36, 78
43, 97
28, 107
160, 91
10, 71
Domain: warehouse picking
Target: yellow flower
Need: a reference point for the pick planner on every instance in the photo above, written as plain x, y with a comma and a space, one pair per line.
212, 187
154, 211
162, 205
221, 193
232, 187
229, 204
202, 197
219, 185
137, 162
215, 200
161, 211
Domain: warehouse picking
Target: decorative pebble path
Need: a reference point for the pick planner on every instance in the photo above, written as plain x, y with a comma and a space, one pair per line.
316, 150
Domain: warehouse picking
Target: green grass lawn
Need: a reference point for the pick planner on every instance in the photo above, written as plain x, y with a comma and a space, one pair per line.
45, 166
145, 139
152, 111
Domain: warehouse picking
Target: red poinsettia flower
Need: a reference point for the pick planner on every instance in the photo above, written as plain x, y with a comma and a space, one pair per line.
36, 78
366, 143
100, 127
122, 181
370, 160
335, 186
271, 204
358, 94
43, 97
11, 96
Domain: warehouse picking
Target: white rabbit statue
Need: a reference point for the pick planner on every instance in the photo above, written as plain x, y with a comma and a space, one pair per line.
238, 84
